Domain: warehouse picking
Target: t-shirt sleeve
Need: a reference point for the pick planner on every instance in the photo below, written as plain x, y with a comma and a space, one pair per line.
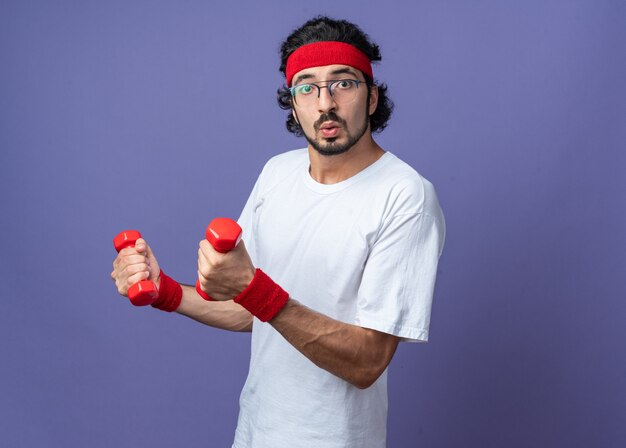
396, 291
246, 219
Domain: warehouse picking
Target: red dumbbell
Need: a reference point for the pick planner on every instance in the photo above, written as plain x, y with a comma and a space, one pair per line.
143, 292
224, 234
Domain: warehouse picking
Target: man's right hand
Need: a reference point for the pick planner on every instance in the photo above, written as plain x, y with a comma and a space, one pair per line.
134, 264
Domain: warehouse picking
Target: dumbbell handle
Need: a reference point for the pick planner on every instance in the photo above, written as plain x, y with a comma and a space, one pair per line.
224, 234
143, 292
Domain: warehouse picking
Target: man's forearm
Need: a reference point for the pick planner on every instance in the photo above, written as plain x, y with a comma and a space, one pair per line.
226, 315
355, 354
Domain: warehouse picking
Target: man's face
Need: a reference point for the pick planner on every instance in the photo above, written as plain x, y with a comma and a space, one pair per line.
332, 127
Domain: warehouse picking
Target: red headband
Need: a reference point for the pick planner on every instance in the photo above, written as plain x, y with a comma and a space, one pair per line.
319, 54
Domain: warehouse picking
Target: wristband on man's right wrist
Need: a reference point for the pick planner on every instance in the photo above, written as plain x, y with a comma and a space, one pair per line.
170, 294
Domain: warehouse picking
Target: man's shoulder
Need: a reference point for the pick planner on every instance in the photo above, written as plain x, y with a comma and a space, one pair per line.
402, 171
282, 166
288, 159
398, 174
408, 186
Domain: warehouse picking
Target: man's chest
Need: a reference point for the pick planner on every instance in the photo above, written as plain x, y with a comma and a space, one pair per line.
330, 236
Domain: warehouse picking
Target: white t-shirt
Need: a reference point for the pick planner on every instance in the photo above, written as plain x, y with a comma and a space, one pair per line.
363, 251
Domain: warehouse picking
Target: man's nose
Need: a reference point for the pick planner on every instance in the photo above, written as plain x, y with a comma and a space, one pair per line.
326, 101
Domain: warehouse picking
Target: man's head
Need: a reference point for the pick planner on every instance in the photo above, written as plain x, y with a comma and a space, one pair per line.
330, 91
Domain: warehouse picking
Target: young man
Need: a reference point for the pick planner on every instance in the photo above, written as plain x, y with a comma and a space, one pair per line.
347, 238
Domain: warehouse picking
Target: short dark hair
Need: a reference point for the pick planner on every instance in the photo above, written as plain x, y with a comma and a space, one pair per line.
320, 29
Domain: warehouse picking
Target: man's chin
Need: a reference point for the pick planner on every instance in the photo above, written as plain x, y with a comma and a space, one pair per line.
330, 148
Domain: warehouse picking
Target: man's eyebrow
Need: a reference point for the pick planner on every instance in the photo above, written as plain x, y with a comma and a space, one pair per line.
341, 71
302, 78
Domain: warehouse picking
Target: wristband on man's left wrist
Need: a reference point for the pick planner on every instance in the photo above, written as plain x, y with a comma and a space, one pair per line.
203, 294
263, 298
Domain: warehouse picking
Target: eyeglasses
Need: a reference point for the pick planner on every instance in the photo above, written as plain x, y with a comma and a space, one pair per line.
342, 91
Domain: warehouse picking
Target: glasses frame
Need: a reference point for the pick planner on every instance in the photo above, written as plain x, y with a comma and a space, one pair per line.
329, 85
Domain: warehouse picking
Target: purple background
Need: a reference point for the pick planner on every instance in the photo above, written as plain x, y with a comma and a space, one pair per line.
159, 116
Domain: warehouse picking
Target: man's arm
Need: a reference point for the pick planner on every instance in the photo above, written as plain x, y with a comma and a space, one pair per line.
355, 354
225, 315
139, 263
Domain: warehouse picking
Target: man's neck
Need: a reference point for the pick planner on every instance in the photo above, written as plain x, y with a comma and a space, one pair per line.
337, 168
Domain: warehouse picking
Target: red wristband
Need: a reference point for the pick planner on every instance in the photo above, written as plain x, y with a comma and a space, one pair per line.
203, 294
262, 297
170, 294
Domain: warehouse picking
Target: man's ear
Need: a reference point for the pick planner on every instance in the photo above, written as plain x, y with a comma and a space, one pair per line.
295, 116
373, 99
